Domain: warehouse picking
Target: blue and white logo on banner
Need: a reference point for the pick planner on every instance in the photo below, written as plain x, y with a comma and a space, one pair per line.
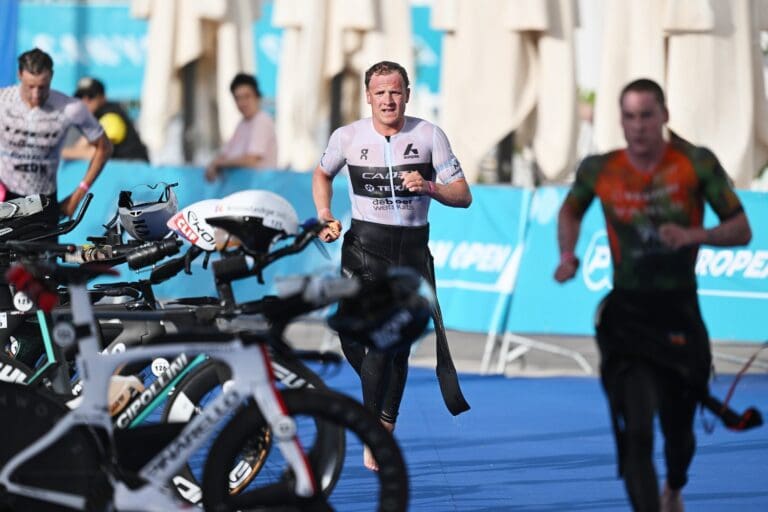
542, 305
477, 254
733, 289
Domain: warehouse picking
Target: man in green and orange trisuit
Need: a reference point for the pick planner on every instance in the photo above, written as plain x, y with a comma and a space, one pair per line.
654, 346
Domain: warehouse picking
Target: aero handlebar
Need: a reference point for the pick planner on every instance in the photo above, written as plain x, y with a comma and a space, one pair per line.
236, 267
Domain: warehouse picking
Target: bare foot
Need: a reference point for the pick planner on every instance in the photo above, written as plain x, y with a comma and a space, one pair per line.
368, 460
671, 500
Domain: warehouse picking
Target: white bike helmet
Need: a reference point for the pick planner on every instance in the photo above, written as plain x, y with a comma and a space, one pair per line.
190, 224
147, 221
256, 217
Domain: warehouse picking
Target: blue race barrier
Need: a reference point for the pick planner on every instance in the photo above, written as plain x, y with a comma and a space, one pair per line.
540, 304
477, 253
732, 284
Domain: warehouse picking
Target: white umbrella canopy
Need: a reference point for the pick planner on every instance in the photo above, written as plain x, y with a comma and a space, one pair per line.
632, 47
509, 65
556, 119
715, 85
215, 34
320, 40
707, 56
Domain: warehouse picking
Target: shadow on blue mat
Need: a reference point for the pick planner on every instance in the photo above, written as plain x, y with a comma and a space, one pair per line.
544, 445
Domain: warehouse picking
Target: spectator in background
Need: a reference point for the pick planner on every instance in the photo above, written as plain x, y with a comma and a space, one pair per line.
254, 143
115, 121
655, 356
33, 122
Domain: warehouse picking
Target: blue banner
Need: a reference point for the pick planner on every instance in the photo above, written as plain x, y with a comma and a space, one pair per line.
267, 41
99, 40
732, 281
428, 45
540, 304
9, 19
477, 252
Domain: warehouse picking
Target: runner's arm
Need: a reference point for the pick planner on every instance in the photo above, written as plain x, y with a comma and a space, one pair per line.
322, 192
455, 193
80, 150
103, 150
731, 232
568, 228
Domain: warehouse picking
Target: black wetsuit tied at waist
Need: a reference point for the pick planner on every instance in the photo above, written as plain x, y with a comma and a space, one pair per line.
370, 249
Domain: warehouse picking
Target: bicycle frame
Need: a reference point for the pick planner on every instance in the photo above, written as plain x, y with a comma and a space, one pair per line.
251, 377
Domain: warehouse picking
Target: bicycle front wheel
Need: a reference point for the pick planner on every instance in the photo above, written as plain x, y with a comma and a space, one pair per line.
204, 384
307, 407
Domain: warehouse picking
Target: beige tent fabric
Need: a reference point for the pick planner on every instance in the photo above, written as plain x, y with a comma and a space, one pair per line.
632, 47
715, 87
320, 40
707, 56
556, 121
504, 64
217, 34
688, 16
300, 113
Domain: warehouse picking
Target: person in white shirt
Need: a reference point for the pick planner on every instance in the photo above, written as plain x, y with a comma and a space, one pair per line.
254, 143
33, 122
396, 165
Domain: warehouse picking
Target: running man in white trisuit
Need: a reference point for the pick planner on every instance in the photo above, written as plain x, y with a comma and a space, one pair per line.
394, 163
33, 122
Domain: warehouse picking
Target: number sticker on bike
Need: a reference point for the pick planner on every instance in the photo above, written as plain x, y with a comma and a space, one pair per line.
21, 302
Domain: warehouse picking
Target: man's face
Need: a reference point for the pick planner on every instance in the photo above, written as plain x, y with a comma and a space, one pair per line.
387, 97
643, 120
35, 89
246, 100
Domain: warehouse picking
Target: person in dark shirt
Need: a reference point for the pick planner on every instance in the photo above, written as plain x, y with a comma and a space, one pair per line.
115, 121
655, 356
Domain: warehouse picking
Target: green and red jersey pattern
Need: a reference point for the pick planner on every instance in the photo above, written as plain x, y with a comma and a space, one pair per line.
636, 203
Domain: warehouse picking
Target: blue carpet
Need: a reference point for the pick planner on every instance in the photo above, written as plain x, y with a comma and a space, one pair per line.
544, 445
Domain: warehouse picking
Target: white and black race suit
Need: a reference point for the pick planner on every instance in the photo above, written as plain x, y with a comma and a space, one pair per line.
389, 228
376, 164
31, 139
